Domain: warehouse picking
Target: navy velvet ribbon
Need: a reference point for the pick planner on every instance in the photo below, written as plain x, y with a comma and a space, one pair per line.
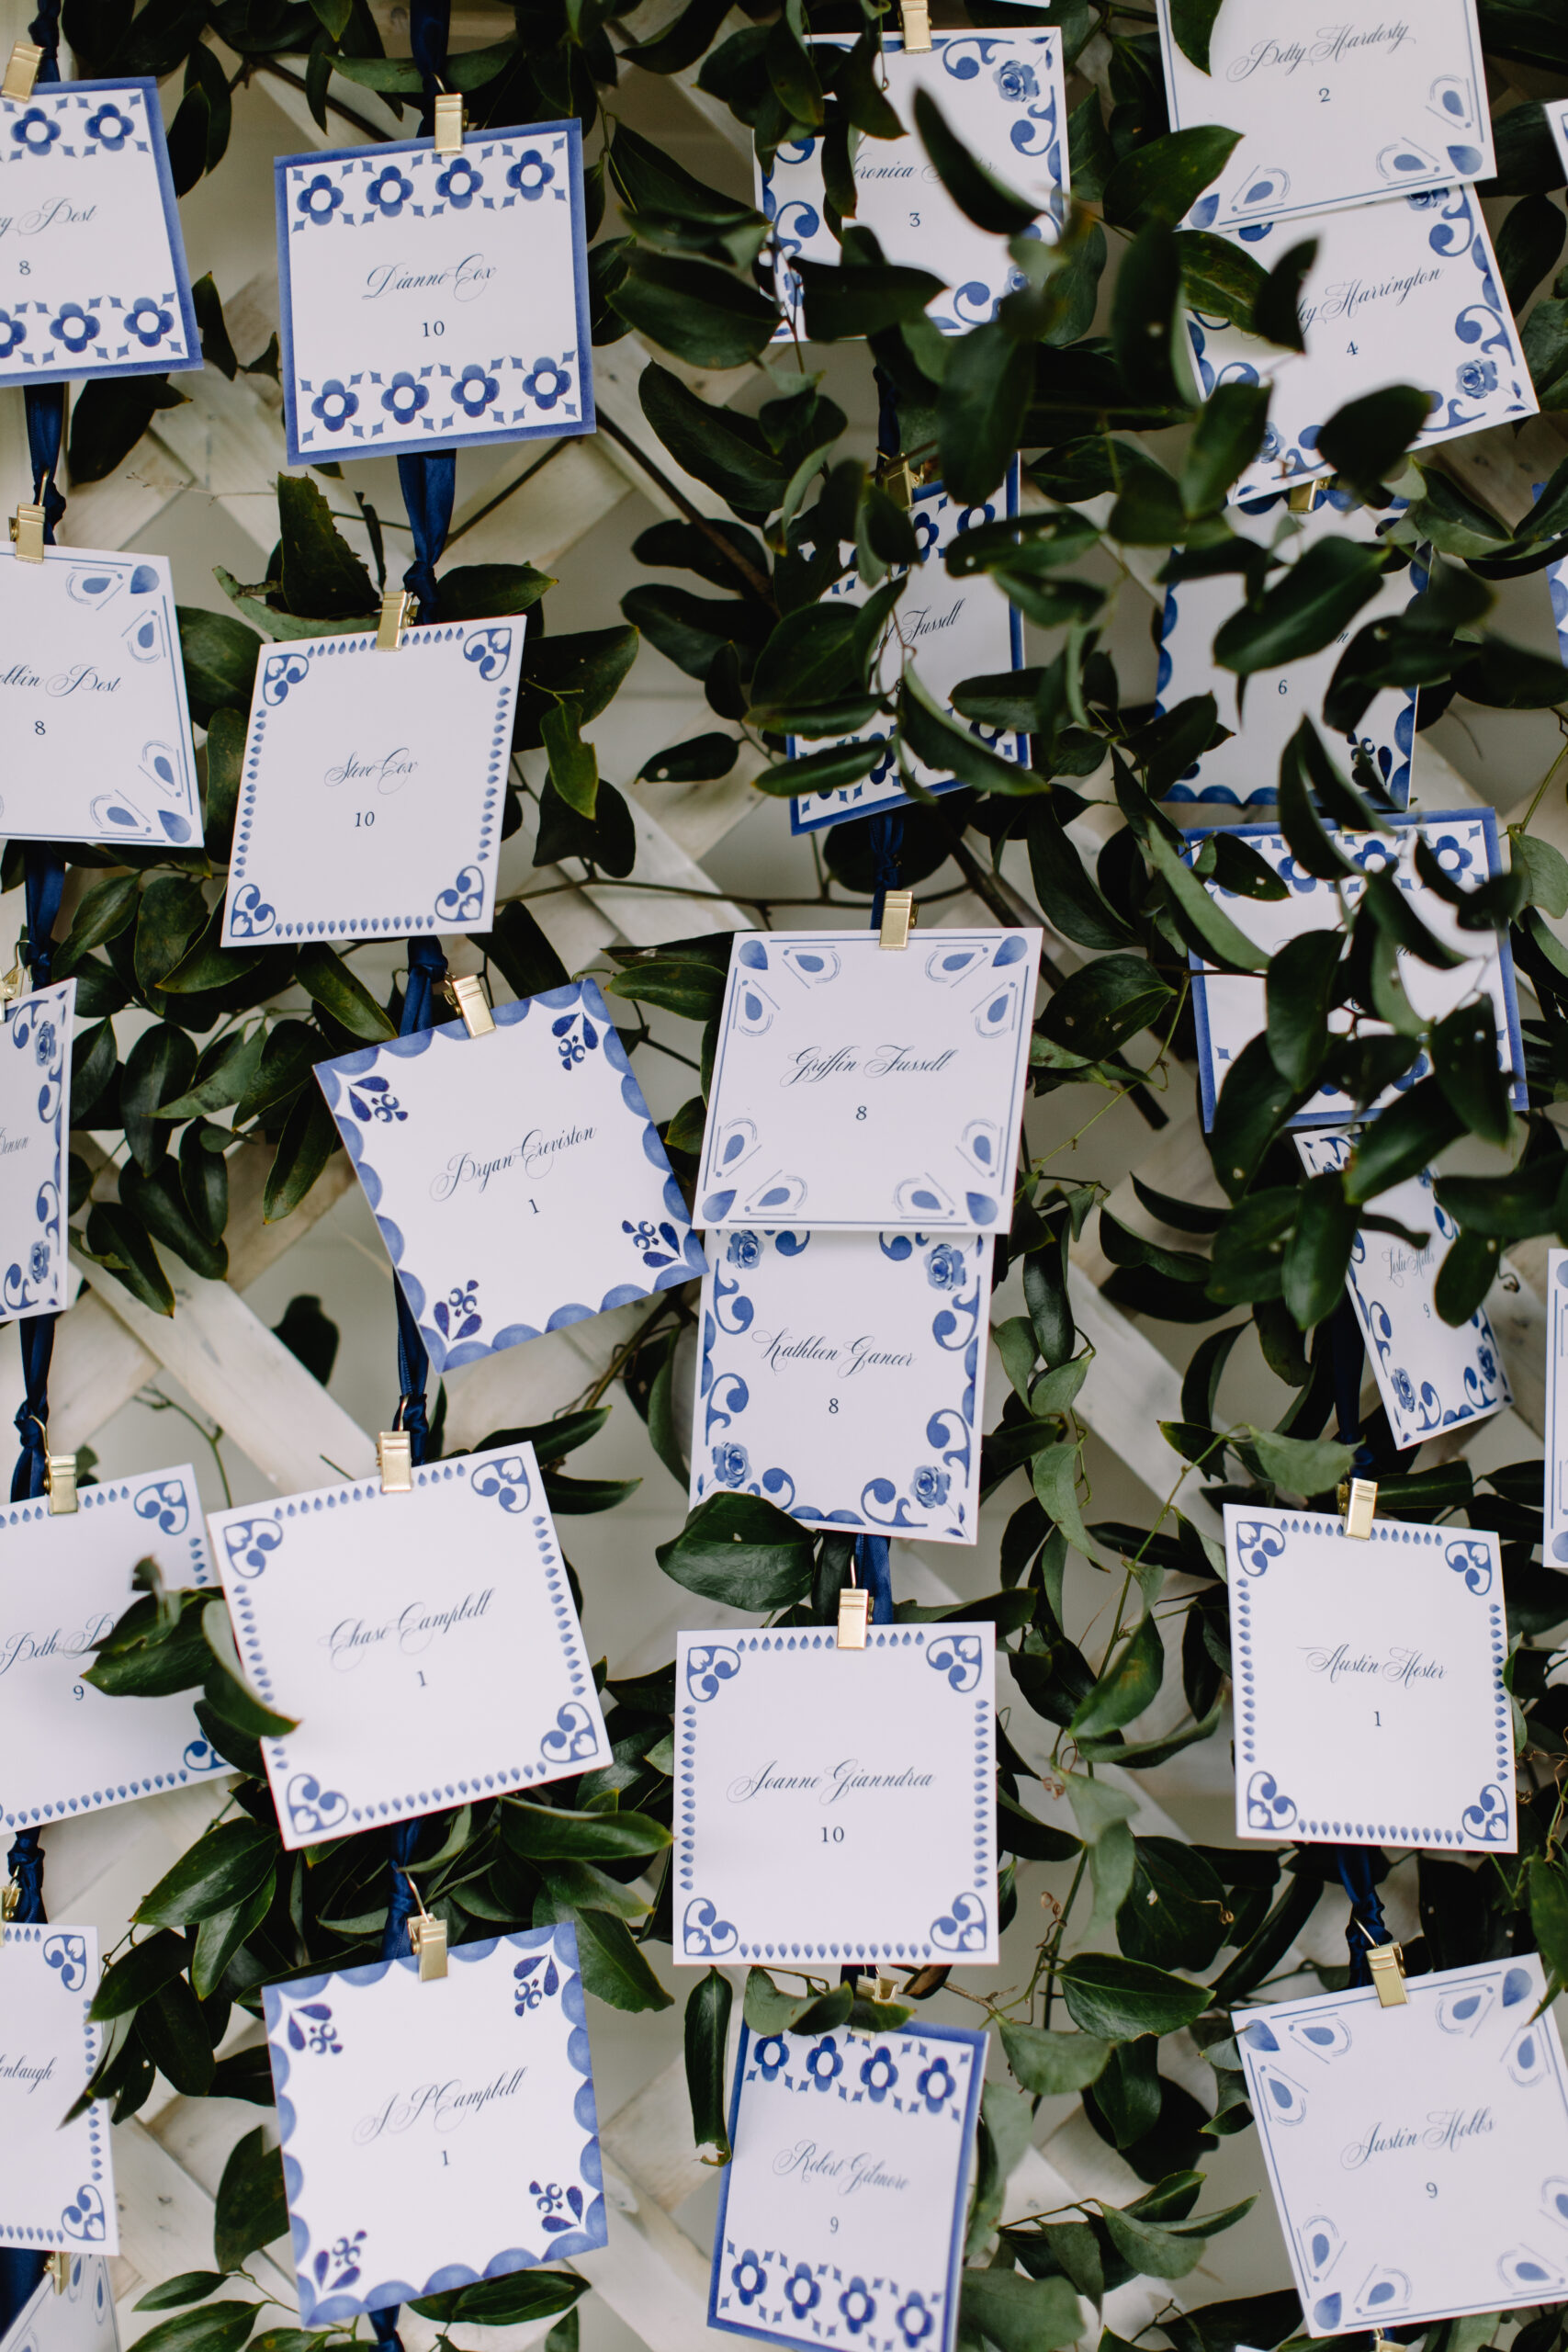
872, 1571
887, 847
429, 484
427, 968
1367, 1924
45, 406
429, 29
45, 30
385, 2326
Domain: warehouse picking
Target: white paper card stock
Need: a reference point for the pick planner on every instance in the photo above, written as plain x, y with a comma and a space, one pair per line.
1370, 1700
516, 1178
435, 2134
1230, 1009
460, 316
93, 279
79, 2319
836, 1804
64, 1748
1002, 92
905, 1072
1407, 292
1557, 123
1418, 2156
1372, 106
841, 2215
841, 1377
425, 1637
1429, 1377
56, 2181
1554, 1548
94, 734
370, 801
35, 1128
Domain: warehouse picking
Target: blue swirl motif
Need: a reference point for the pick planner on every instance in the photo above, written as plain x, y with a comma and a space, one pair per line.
489, 649
550, 2200
1472, 1562
1267, 1807
703, 1932
463, 897
875, 1496
69, 1955
574, 1738
320, 2036
507, 1481
532, 1988
279, 672
35, 1031
201, 1756
166, 1503
456, 1316
959, 1656
710, 1665
314, 1811
337, 2266
1258, 1543
83, 2216
248, 1543
1488, 1816
251, 916
656, 1244
372, 1098
963, 1928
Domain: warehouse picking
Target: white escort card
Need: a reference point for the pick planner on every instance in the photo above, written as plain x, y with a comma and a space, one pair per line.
516, 1178
1418, 2156
1375, 104
842, 2212
78, 2317
1369, 1700
461, 315
1556, 113
93, 278
1407, 292
425, 1637
95, 732
370, 801
435, 2134
836, 1804
1002, 94
65, 1583
1555, 1546
56, 2179
35, 1129
904, 1071
842, 1376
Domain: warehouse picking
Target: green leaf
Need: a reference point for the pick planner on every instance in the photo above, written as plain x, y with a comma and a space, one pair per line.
719, 446
1016, 2313
613, 1969
1549, 1915
1546, 867
1069, 895
1127, 1686
1315, 602
1317, 1256
159, 1067
1276, 314
190, 2286
108, 418
520, 952
574, 768
120, 1245
217, 1941
984, 395
700, 313
1310, 845
927, 731
252, 2208
1099, 1008
740, 1550
309, 1139
830, 771
1163, 180
1304, 1466
218, 1872
1121, 2000
514, 2300
1464, 1061
327, 979
103, 911
144, 1970
216, 2327
158, 1202
979, 195
475, 591
855, 299
1229, 946
323, 577
1226, 437
706, 2028
543, 1832
1053, 2064
1365, 439
171, 2031
220, 657
1192, 26
1402, 1140
767, 2009
697, 761
1147, 2248
1053, 1474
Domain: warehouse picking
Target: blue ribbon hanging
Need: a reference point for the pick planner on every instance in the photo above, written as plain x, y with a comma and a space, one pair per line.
384, 2324
429, 484
429, 31
872, 1571
45, 406
1367, 1924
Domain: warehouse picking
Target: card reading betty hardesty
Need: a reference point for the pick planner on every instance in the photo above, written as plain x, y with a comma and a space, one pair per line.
427, 1637
78, 2317
1419, 2155
842, 2212
836, 1804
857, 1086
35, 1128
56, 2179
1555, 1547
434, 2133
1369, 1699
433, 302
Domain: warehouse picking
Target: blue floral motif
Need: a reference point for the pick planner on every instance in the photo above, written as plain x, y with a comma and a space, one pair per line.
530, 175
459, 184
937, 2084
803, 2291
147, 322
928, 1486
656, 1245
546, 382
878, 2075
83, 2218
1476, 378
403, 398
489, 650
314, 1811
771, 2055
857, 2306
946, 1268
575, 1738
372, 1098
35, 132
507, 1481
575, 1036
319, 199
457, 1316
165, 1503
74, 326
532, 1988
1451, 853
321, 2035
744, 1250
69, 1955
251, 915
474, 390
1404, 1387
248, 1543
341, 2259
915, 2319
12, 333
389, 192
110, 127
731, 1464
463, 897
825, 2064
747, 2277
39, 1260
1016, 82
335, 404
550, 2200
43, 1044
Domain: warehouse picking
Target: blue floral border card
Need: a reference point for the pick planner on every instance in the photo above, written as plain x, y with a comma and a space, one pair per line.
35, 1130
1003, 95
842, 1376
1229, 1008
436, 2134
1370, 1707
64, 1748
370, 795
517, 1179
1554, 1548
77, 2318
92, 276
56, 2179
842, 2212
461, 316
951, 627
1340, 114
904, 1071
1429, 1375
94, 730
1407, 292
836, 1804
427, 1637
1418, 2156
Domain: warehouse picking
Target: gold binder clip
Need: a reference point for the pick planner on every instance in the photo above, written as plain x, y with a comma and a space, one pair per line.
1302, 497
449, 123
897, 476
394, 1456
14, 983
427, 1940
26, 534
1387, 1964
915, 24
395, 606
10, 1898
854, 1615
60, 1484
468, 993
58, 2265
897, 919
21, 71
1358, 1502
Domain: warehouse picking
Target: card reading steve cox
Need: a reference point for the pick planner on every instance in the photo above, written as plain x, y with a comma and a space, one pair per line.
56, 2179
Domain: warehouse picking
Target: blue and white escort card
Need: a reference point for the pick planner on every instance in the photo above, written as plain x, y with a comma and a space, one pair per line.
517, 1179
842, 2212
435, 2134
1340, 114
1230, 1008
842, 1376
95, 732
1003, 95
56, 2179
1555, 1546
461, 316
78, 2317
93, 278
1407, 292
65, 1583
1369, 1700
836, 1804
424, 1637
1557, 123
904, 1071
1418, 2156
35, 1129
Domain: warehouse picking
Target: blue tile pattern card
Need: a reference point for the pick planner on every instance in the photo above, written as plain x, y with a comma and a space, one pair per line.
56, 2179
93, 278
1418, 2156
35, 1129
371, 797
94, 731
435, 301
841, 1377
77, 2318
904, 1071
1555, 1549
841, 2212
516, 1178
836, 1805
436, 2134
1369, 1683
426, 1638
